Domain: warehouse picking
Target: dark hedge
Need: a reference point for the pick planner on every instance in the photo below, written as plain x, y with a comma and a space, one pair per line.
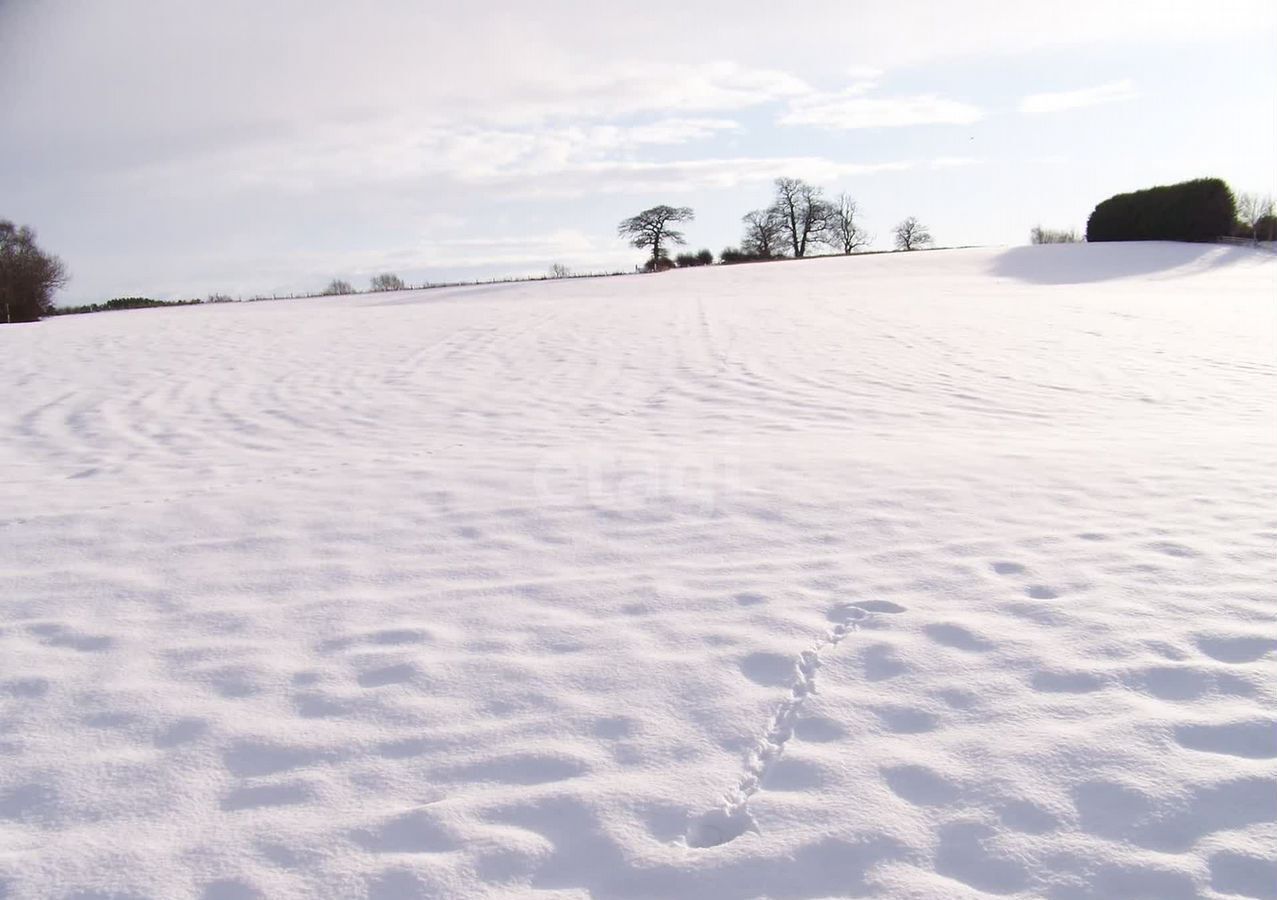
1199, 210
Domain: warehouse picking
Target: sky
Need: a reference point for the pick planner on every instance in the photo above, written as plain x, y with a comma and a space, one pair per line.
178, 149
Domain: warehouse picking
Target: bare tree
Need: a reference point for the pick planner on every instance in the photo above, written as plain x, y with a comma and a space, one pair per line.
764, 233
1252, 209
911, 234
337, 287
29, 277
386, 282
652, 228
1040, 235
803, 213
558, 270
843, 232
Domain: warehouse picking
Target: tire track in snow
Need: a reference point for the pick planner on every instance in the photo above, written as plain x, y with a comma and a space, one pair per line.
732, 819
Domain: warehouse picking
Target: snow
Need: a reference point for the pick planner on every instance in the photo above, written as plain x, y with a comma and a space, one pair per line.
931, 575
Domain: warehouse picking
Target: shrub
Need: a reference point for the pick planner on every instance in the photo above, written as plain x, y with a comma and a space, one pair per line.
733, 255
1040, 235
337, 287
686, 260
558, 270
658, 264
386, 282
1199, 210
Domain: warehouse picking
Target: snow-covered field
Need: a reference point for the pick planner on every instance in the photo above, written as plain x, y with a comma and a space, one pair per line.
936, 575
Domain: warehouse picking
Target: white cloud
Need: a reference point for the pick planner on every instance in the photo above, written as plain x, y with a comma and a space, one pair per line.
522, 253
952, 162
74, 71
675, 131
864, 73
1057, 101
614, 89
399, 149
852, 108
681, 176
317, 124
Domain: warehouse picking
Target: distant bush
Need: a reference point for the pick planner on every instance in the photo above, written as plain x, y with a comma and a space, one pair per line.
386, 282
1200, 210
558, 270
688, 260
658, 264
120, 303
219, 298
733, 255
337, 287
142, 303
1040, 235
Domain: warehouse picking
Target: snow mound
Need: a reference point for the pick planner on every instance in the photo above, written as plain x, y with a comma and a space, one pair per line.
943, 574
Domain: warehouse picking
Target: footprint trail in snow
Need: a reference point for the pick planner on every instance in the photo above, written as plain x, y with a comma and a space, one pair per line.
732, 819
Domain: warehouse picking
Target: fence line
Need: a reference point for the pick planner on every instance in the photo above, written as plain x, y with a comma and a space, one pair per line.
214, 299
1267, 246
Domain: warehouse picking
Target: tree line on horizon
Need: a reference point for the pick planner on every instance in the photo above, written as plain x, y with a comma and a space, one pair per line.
798, 219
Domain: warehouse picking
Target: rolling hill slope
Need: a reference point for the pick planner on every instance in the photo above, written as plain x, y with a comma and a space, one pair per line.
946, 574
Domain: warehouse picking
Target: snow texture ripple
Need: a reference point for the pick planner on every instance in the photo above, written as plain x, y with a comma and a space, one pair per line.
526, 590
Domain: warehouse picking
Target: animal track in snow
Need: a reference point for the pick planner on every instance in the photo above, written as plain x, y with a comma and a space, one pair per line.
732, 819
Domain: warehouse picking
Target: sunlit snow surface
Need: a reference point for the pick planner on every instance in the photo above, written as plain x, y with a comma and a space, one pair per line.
944, 575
